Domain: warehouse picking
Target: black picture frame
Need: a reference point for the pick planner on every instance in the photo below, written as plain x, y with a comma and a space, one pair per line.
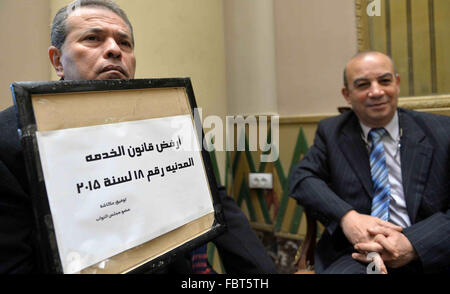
47, 255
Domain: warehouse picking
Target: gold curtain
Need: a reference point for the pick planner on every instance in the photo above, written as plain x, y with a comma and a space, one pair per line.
415, 33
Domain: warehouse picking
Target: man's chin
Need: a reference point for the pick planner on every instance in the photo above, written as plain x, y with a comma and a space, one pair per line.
379, 120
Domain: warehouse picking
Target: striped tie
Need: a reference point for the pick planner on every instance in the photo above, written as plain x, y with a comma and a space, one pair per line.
381, 188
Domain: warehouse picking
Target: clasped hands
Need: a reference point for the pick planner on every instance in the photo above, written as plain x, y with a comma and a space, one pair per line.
371, 234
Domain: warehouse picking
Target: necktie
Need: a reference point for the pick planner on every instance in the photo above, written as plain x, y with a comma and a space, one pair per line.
380, 179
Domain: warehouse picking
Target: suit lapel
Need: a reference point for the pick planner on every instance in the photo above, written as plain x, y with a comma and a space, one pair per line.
415, 157
354, 149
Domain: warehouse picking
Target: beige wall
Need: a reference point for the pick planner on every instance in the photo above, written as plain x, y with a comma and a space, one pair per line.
314, 40
287, 56
250, 50
24, 34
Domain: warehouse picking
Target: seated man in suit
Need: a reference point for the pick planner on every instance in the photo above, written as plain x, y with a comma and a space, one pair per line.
94, 43
378, 177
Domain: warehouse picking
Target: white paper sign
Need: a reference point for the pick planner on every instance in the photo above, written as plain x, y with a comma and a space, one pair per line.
113, 187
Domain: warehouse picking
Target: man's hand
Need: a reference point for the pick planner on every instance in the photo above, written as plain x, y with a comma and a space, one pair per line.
393, 246
356, 226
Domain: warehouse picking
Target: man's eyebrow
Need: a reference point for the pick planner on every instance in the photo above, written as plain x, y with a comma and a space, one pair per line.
124, 35
355, 82
385, 75
94, 30
388, 74
100, 30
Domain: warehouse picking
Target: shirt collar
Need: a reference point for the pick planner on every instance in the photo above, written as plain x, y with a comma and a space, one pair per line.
392, 128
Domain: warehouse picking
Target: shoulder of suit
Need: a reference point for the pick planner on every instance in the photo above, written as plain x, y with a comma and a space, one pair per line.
8, 116
436, 127
336, 122
8, 121
9, 138
426, 117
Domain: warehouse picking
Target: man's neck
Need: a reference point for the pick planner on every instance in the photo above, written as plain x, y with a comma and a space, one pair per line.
391, 127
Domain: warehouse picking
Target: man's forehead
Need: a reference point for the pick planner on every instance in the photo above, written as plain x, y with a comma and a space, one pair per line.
373, 64
95, 16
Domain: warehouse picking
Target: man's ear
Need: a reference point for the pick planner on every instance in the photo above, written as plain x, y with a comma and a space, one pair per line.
55, 59
397, 81
345, 93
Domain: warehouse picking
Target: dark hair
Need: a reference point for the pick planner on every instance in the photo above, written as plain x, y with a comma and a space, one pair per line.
59, 26
362, 54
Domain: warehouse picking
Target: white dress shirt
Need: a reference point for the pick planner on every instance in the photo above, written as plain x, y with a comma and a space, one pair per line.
391, 142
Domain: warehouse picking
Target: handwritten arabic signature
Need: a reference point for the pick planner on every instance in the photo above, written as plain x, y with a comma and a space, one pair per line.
113, 214
110, 203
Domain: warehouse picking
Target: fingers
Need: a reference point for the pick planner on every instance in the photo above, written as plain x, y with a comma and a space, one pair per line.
369, 247
361, 257
380, 230
384, 242
385, 224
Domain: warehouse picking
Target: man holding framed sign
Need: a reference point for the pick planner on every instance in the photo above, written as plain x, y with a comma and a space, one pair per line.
94, 41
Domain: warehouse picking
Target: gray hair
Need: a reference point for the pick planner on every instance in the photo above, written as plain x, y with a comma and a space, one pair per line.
59, 26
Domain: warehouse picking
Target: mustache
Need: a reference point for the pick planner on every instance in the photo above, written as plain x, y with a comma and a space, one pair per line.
378, 100
114, 67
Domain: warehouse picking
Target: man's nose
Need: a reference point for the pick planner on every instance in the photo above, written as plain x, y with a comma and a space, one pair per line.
376, 90
112, 49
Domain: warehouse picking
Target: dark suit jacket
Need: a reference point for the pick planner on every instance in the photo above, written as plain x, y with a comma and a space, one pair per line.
334, 177
240, 249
